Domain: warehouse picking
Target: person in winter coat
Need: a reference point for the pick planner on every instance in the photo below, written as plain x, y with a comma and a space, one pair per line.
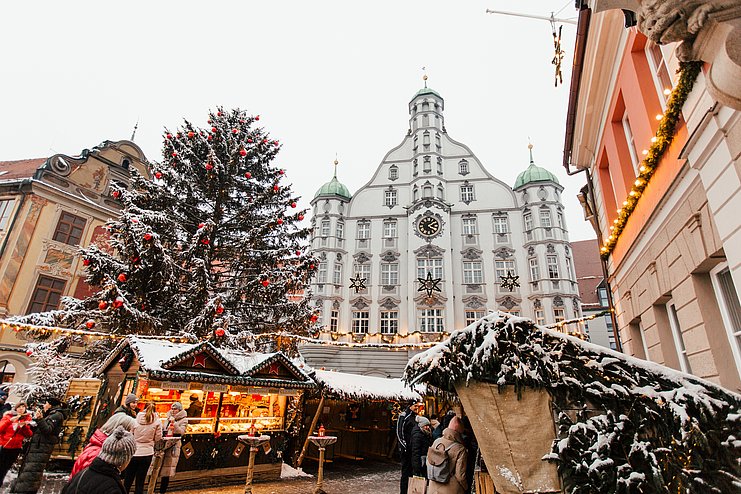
458, 458
4, 405
147, 432
437, 432
49, 424
404, 425
103, 476
177, 420
129, 406
99, 436
15, 426
421, 440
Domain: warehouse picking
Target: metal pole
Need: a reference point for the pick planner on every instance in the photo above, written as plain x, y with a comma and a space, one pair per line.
527, 16
311, 430
250, 470
320, 474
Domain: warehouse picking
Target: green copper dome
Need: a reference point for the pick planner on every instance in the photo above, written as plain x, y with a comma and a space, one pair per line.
426, 90
534, 173
333, 188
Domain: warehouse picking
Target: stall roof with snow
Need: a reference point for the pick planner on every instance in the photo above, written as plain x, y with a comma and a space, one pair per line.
203, 362
638, 426
356, 387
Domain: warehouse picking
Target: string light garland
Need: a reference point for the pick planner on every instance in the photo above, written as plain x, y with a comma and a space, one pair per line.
4, 325
360, 344
688, 72
561, 324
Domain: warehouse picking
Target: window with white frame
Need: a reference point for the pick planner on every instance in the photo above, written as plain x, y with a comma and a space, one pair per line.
528, 223
660, 71
389, 321
469, 225
503, 267
360, 321
390, 198
326, 225
569, 269
473, 273
340, 231
321, 274
559, 314
389, 229
438, 145
393, 172
6, 207
630, 140
363, 229
545, 218
552, 264
432, 266
534, 269
473, 315
440, 192
363, 270
337, 274
439, 165
426, 138
500, 225
334, 320
684, 362
389, 273
467, 193
430, 320
463, 167
561, 221
539, 316
730, 309
427, 165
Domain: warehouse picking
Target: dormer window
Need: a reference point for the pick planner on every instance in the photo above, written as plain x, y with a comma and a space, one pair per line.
463, 167
125, 163
393, 172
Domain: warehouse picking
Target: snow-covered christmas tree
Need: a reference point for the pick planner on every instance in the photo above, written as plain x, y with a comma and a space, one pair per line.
51, 371
210, 246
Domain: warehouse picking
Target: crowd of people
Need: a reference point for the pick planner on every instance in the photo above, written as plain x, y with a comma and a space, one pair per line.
441, 451
117, 457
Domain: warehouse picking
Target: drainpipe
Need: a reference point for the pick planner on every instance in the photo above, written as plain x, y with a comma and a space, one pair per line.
24, 193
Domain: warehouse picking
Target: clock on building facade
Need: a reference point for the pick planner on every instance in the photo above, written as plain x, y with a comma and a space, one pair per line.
428, 226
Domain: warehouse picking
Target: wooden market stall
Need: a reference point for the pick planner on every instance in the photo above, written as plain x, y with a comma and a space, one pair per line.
359, 410
224, 392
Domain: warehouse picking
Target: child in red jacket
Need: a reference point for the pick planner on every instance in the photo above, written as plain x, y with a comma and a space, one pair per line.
15, 426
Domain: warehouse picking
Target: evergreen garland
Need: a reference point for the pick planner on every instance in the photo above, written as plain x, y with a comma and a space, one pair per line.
74, 440
647, 429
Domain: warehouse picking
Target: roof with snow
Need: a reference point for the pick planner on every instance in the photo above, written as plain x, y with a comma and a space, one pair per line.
356, 387
12, 170
646, 424
203, 362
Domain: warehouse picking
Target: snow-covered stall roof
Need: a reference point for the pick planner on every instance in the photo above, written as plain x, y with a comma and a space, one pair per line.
649, 428
357, 387
159, 358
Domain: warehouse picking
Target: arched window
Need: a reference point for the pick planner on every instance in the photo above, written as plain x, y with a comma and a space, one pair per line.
463, 167
393, 172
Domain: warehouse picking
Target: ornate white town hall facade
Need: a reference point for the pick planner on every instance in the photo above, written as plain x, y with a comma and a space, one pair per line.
432, 212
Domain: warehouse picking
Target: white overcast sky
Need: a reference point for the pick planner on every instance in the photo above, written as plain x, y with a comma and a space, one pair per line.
326, 77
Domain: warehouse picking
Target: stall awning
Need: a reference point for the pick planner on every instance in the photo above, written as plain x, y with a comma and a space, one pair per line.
356, 387
203, 362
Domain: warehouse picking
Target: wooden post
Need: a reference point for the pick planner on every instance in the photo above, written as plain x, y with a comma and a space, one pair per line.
320, 474
156, 467
311, 430
250, 471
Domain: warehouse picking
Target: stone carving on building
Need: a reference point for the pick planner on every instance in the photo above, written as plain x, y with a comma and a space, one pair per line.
390, 256
550, 249
389, 303
504, 253
336, 305
508, 302
531, 251
360, 303
472, 254
537, 303
429, 251
557, 301
362, 257
474, 302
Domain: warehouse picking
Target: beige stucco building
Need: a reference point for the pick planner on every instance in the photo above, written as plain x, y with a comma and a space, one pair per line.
677, 261
49, 207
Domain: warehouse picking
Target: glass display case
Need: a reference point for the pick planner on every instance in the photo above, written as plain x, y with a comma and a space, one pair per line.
200, 425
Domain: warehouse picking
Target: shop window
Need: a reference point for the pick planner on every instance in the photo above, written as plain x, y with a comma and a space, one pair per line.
69, 229
389, 321
730, 310
46, 295
360, 321
430, 320
473, 273
6, 207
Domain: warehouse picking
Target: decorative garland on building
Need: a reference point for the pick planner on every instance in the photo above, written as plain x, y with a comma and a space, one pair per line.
53, 331
688, 72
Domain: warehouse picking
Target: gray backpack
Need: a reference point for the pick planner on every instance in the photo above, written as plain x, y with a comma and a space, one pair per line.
438, 463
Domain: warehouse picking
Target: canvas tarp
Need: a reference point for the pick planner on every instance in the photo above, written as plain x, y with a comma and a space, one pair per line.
513, 436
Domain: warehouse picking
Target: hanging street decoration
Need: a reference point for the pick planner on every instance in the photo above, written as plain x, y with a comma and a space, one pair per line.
510, 282
358, 283
559, 53
429, 284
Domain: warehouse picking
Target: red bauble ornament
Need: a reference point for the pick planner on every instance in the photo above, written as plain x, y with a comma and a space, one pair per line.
214, 129
257, 117
235, 131
209, 166
174, 154
29, 353
301, 217
276, 143
243, 152
280, 221
116, 194
86, 262
191, 134
102, 305
219, 114
293, 204
201, 225
209, 137
281, 172
298, 252
178, 135
311, 266
122, 277
276, 188
168, 135
264, 141
248, 175
220, 309
147, 237
134, 259
314, 318
219, 332
90, 324
118, 303
205, 241
157, 175
265, 282
250, 141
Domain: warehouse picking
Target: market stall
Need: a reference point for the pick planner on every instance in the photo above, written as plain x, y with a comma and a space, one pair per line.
359, 410
224, 392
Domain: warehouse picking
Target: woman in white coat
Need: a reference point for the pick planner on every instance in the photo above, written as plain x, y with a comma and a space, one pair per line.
177, 420
147, 431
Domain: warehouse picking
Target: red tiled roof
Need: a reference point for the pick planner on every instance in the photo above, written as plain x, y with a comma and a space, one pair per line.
588, 269
20, 168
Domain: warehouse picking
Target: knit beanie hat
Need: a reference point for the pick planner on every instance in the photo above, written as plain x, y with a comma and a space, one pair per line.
422, 420
54, 402
177, 406
131, 398
118, 448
